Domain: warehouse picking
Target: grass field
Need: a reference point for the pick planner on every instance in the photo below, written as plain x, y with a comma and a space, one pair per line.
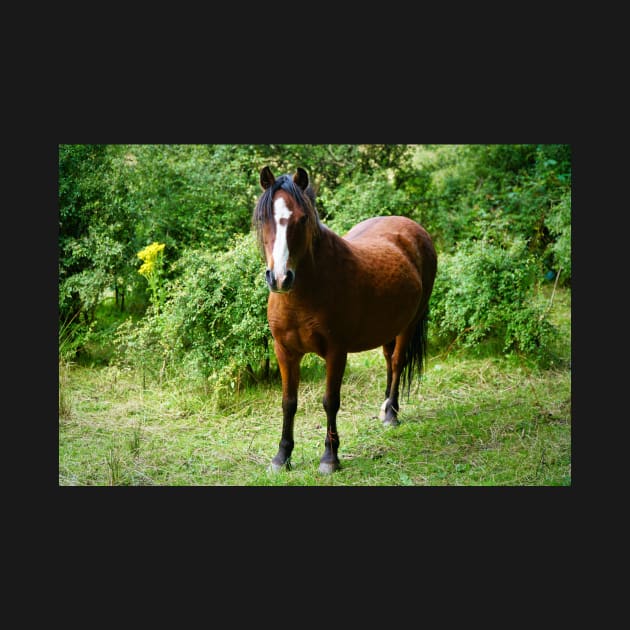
474, 420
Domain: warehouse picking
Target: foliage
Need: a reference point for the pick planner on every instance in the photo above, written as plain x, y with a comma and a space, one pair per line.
97, 223
191, 195
558, 222
486, 290
464, 192
500, 216
218, 311
213, 325
361, 197
72, 338
330, 166
137, 345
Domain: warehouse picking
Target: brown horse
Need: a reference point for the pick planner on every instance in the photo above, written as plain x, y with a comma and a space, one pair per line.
332, 295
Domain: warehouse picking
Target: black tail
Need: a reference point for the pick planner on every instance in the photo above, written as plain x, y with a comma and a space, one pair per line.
415, 355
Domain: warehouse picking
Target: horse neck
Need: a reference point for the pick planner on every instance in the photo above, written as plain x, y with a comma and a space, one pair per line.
332, 245
330, 251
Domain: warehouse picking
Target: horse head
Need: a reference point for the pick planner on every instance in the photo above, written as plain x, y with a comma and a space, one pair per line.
287, 225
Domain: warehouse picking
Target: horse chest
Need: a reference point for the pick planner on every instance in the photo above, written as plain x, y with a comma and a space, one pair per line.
300, 328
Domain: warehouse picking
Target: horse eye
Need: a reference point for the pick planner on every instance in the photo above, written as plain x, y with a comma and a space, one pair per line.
303, 219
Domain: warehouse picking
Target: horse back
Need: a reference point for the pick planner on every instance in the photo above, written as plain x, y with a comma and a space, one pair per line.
395, 249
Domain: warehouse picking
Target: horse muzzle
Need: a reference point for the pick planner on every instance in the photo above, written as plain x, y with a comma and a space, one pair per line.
280, 284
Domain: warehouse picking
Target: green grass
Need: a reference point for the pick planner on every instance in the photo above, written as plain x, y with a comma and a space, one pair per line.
474, 420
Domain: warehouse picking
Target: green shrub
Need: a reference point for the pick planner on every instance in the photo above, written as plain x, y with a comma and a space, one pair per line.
362, 197
139, 344
213, 324
487, 291
558, 223
463, 191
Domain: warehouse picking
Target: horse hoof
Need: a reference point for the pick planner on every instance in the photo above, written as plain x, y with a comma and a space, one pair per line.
328, 468
274, 467
391, 422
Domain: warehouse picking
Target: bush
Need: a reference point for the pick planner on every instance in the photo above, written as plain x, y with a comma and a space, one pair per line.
486, 290
362, 197
558, 223
464, 191
213, 324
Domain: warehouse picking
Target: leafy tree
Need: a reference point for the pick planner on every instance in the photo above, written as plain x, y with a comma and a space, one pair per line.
464, 192
96, 227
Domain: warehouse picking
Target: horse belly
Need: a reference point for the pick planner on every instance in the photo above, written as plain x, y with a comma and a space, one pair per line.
381, 321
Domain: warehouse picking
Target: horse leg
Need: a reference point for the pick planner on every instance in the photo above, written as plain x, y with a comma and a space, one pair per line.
389, 410
290, 372
388, 350
335, 366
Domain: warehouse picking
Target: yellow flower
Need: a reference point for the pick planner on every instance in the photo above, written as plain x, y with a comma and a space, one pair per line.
146, 268
149, 256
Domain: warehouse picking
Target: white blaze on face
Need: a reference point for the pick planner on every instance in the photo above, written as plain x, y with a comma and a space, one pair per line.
280, 253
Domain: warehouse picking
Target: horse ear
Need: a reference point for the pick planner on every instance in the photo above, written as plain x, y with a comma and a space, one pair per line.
266, 178
301, 178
